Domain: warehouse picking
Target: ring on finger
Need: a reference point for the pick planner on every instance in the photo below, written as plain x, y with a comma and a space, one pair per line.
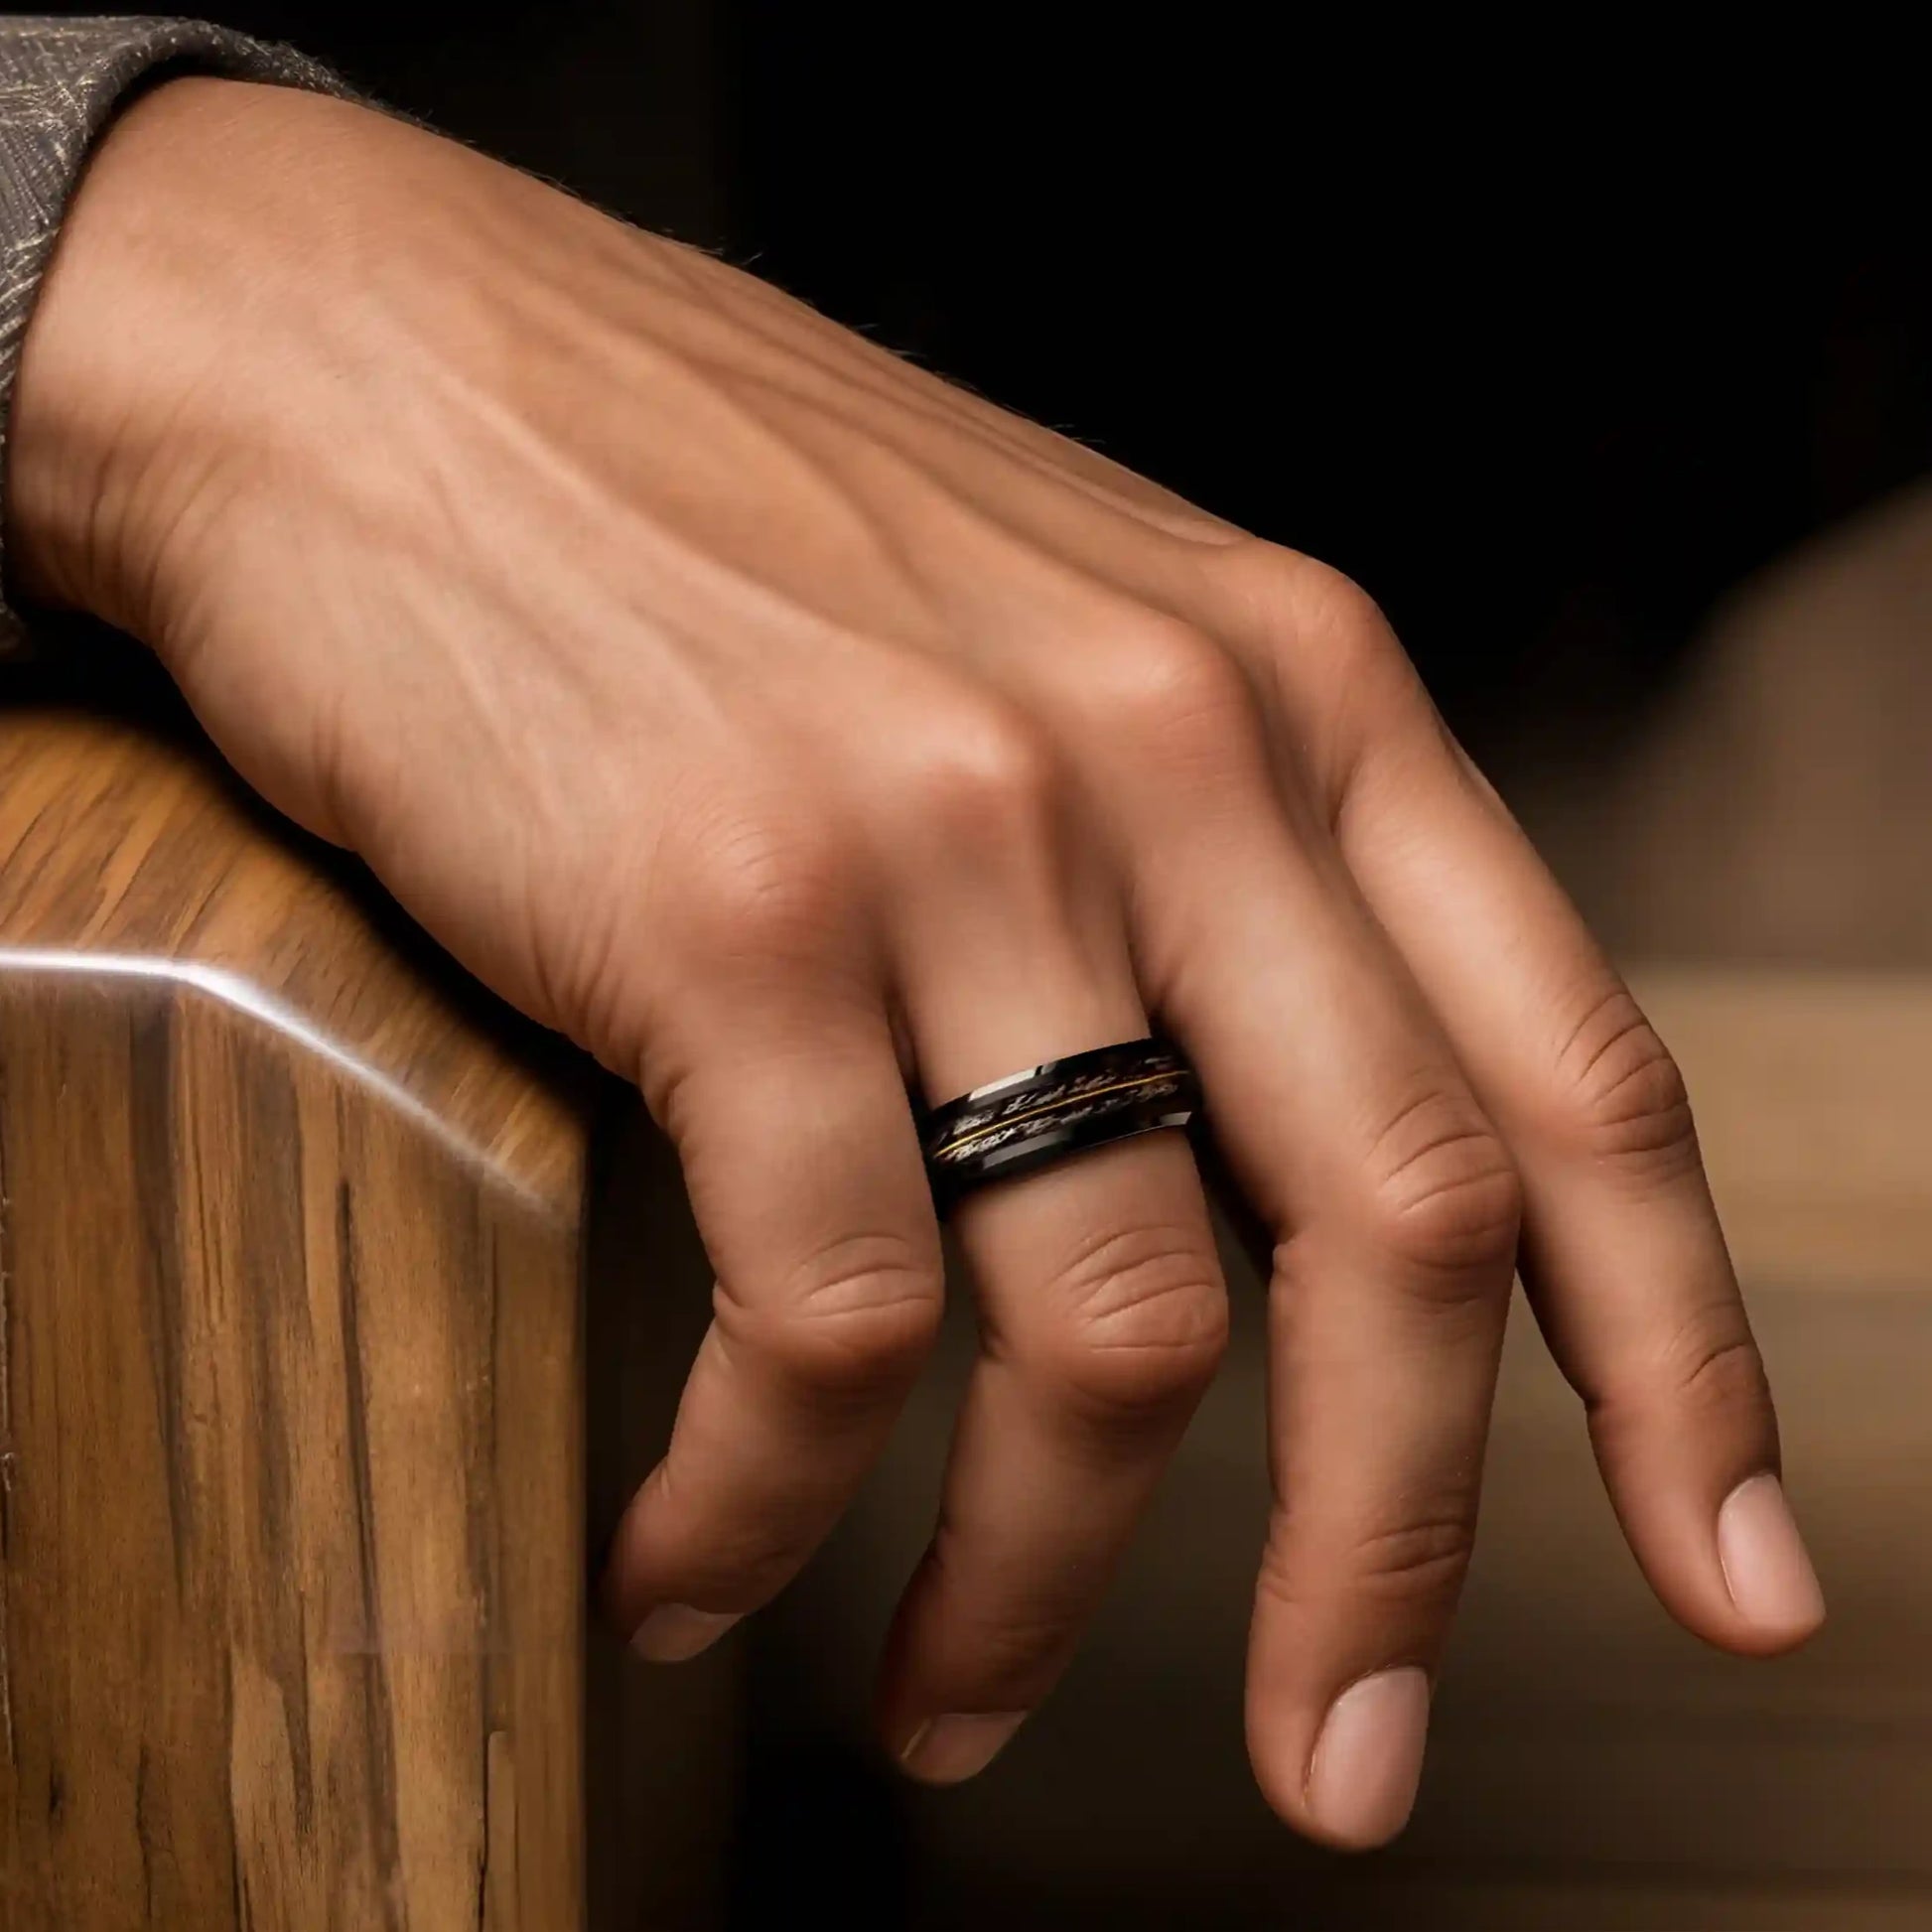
1051, 1112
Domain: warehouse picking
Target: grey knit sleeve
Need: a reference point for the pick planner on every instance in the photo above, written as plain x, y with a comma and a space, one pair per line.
61, 82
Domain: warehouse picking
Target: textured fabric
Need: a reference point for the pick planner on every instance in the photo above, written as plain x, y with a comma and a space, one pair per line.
61, 82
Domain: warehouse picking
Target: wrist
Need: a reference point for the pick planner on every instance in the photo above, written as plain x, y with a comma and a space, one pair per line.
176, 255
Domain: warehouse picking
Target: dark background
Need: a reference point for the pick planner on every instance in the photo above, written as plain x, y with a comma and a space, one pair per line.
1547, 343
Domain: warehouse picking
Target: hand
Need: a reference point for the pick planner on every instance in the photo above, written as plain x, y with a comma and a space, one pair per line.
786, 727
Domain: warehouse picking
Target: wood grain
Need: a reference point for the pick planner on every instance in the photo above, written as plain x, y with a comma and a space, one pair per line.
291, 1483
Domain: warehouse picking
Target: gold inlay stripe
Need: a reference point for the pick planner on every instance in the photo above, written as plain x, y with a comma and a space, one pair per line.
1051, 1107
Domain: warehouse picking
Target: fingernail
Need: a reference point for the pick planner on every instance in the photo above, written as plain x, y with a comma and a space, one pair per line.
1368, 1759
674, 1632
945, 1751
1766, 1568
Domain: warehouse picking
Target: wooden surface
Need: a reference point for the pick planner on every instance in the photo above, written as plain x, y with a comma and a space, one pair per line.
291, 1489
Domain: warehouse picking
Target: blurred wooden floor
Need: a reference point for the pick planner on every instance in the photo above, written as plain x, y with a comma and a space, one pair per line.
1593, 1767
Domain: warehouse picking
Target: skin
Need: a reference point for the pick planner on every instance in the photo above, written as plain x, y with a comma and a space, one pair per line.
790, 728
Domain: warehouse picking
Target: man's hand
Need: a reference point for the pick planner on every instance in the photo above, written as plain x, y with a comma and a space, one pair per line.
786, 727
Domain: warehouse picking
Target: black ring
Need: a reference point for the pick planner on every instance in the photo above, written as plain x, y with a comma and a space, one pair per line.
1054, 1111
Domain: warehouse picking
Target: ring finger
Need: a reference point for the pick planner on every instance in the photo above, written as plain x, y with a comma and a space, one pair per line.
1102, 1316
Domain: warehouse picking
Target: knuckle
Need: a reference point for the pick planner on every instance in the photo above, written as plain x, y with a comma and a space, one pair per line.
1166, 690
1419, 1560
753, 1563
1339, 607
1622, 1099
1325, 608
736, 1556
758, 886
1413, 1564
1714, 1365
1444, 1192
1140, 1322
1265, 571
1339, 670
1705, 1375
988, 777
1016, 1638
860, 1315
